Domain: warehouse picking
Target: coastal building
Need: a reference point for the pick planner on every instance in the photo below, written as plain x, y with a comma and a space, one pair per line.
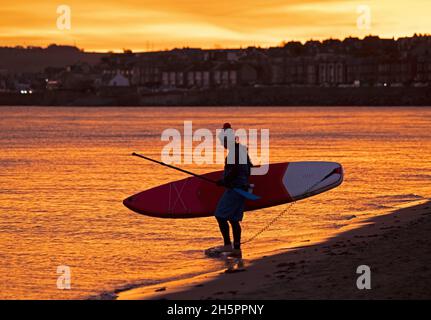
208, 74
147, 70
423, 70
331, 70
234, 74
393, 72
117, 70
199, 75
119, 80
173, 77
4, 80
276, 60
361, 70
147, 74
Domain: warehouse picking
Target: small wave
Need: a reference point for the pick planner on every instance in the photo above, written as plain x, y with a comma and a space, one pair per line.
112, 295
344, 216
417, 177
397, 199
349, 217
193, 252
374, 206
409, 196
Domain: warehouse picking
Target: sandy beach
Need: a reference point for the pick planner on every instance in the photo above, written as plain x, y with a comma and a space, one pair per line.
396, 247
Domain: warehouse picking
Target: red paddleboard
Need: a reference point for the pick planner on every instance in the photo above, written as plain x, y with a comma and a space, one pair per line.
193, 197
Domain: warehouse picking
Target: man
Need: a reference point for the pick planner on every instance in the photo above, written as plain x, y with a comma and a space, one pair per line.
230, 208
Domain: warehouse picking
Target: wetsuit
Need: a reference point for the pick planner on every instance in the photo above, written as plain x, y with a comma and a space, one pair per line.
231, 205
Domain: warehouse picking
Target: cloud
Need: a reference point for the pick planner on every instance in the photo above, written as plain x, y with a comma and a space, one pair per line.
117, 24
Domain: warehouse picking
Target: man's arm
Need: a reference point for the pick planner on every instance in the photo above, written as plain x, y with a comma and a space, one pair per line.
231, 173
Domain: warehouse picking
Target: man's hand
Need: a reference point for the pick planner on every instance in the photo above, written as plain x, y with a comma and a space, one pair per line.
220, 183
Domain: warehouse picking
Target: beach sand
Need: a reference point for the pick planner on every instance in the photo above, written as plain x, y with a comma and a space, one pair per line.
396, 247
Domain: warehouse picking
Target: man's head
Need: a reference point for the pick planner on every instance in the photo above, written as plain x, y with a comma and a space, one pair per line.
227, 136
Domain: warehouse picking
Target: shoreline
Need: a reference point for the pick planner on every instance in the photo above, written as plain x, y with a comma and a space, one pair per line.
395, 246
278, 95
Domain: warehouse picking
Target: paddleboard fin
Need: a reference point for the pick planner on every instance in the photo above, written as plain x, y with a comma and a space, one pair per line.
247, 195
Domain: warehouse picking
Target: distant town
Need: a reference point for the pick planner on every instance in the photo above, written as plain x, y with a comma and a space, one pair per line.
353, 71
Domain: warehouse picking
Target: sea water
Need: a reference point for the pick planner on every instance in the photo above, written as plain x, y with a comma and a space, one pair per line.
65, 171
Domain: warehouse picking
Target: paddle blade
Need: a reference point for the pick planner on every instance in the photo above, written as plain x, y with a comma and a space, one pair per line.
247, 195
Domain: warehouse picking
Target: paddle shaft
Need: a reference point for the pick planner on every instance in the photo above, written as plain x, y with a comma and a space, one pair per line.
243, 193
175, 168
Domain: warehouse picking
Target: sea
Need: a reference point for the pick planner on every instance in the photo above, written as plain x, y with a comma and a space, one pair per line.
64, 172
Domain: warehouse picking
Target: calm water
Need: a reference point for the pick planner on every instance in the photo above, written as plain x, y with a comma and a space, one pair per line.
65, 171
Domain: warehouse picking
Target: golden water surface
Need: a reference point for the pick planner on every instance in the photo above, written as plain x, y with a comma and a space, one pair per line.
65, 171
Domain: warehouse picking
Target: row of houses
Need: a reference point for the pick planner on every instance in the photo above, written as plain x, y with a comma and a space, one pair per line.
371, 61
320, 70
209, 75
352, 62
323, 70
341, 70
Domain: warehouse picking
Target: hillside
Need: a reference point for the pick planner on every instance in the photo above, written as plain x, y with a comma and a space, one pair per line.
35, 59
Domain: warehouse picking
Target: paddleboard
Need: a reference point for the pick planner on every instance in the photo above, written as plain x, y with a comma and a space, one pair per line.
193, 197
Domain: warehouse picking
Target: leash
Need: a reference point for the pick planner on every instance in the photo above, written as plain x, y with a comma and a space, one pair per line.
285, 210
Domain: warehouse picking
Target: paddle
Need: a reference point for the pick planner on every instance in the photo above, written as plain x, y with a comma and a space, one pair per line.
245, 194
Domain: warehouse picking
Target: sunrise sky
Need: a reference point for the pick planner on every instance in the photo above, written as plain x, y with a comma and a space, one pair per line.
141, 25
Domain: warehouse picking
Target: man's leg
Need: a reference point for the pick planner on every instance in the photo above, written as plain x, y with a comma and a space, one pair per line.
236, 230
224, 229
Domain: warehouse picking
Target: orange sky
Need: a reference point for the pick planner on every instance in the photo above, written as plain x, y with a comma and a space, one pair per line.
140, 25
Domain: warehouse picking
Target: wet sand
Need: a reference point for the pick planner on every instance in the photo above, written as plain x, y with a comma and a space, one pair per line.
396, 247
